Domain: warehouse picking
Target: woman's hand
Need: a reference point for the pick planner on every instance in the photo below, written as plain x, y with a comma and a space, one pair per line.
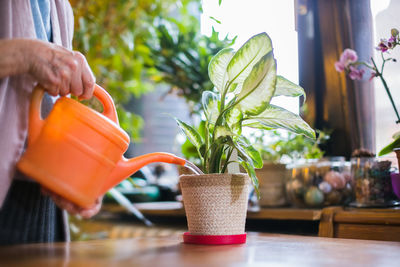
58, 70
73, 209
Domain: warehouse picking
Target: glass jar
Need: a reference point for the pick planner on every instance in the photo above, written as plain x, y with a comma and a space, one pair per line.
372, 182
315, 184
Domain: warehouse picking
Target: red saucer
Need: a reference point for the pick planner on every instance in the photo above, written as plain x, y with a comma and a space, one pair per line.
214, 239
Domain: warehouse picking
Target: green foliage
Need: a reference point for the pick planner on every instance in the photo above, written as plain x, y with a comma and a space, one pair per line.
113, 36
246, 81
181, 54
287, 88
285, 147
189, 151
394, 144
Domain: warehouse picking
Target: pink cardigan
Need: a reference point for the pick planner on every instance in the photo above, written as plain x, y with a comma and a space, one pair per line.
16, 21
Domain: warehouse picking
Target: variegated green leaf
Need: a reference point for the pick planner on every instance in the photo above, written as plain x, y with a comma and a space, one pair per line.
256, 125
233, 119
259, 86
222, 131
246, 57
210, 106
287, 88
232, 87
277, 117
252, 174
193, 136
244, 147
217, 68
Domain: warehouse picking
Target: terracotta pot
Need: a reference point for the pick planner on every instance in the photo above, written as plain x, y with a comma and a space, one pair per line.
272, 178
215, 204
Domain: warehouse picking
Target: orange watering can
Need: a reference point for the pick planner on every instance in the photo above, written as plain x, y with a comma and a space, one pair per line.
77, 152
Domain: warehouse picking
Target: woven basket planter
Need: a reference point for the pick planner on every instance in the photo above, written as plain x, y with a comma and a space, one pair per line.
215, 204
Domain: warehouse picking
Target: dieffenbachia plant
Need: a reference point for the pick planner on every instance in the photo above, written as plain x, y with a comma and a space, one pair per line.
245, 82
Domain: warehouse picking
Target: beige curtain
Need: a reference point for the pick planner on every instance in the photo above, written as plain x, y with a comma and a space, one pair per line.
326, 28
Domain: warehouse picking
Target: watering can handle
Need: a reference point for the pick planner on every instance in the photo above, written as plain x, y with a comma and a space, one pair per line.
108, 104
35, 119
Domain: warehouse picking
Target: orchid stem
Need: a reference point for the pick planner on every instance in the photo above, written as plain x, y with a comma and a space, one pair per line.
387, 90
390, 97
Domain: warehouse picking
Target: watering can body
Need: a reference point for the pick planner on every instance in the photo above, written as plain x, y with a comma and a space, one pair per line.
77, 152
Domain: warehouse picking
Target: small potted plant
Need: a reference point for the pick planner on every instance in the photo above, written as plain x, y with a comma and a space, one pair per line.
279, 150
245, 81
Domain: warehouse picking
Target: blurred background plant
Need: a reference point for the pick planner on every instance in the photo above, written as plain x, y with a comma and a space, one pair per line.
181, 55
113, 36
132, 46
284, 147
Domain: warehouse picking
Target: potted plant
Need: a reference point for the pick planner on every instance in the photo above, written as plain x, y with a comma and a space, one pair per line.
279, 149
245, 81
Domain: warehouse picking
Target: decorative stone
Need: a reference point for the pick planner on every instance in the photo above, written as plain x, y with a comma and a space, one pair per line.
335, 179
325, 187
314, 196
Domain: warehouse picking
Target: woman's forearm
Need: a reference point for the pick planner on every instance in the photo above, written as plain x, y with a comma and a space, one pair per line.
12, 57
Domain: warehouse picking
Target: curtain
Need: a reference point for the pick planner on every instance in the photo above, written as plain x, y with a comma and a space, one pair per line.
334, 102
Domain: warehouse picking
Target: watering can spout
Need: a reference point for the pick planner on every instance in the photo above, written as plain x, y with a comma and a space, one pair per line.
126, 167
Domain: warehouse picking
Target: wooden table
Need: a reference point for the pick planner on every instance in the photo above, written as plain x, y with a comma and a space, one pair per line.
356, 223
260, 250
371, 224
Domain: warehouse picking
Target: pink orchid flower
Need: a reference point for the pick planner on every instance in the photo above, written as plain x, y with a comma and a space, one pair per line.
392, 42
383, 46
355, 74
348, 57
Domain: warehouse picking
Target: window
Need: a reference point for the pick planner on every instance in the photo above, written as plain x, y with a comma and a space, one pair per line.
385, 14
